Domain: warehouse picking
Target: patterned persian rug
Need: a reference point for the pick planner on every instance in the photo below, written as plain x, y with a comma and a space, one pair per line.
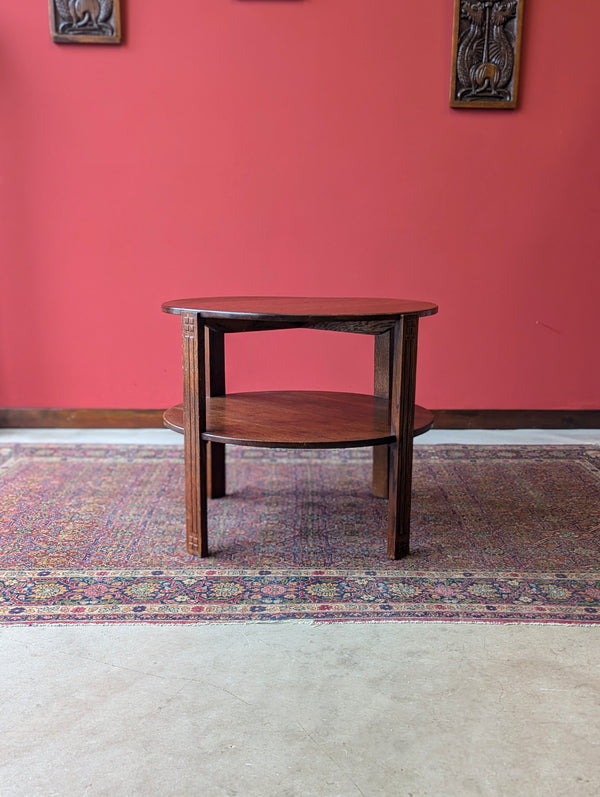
95, 534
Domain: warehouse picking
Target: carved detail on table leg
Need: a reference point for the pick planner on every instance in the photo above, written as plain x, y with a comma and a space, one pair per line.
402, 422
382, 383
215, 386
194, 423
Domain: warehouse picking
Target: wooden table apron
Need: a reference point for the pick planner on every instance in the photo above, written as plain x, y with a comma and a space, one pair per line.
395, 364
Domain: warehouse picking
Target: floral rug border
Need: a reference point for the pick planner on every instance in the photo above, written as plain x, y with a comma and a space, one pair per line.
167, 596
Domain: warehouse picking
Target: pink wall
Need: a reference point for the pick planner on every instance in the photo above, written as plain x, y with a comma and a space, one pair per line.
306, 148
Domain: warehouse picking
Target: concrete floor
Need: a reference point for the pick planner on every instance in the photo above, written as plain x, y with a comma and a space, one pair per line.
299, 709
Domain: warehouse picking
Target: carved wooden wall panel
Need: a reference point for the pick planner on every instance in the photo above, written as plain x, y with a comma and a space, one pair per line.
486, 50
85, 21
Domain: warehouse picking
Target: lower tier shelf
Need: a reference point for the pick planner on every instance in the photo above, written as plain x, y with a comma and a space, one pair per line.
298, 419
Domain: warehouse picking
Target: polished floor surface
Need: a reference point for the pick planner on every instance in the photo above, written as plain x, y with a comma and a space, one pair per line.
407, 709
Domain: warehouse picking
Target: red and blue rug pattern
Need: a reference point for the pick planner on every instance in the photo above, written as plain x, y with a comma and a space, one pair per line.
95, 534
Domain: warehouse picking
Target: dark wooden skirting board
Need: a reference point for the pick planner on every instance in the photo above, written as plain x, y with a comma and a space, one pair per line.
516, 419
32, 418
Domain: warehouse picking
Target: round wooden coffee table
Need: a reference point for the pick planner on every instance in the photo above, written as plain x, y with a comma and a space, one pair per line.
387, 420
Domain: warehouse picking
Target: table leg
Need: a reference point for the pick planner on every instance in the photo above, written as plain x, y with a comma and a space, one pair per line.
383, 381
194, 424
402, 410
215, 386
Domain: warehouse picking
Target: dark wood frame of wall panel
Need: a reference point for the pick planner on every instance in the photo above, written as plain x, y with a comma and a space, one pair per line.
486, 54
69, 25
31, 418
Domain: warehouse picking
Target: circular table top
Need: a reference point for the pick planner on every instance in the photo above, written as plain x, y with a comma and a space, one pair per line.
299, 308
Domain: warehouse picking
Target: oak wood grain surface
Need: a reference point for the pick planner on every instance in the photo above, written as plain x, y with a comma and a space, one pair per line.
298, 419
299, 308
